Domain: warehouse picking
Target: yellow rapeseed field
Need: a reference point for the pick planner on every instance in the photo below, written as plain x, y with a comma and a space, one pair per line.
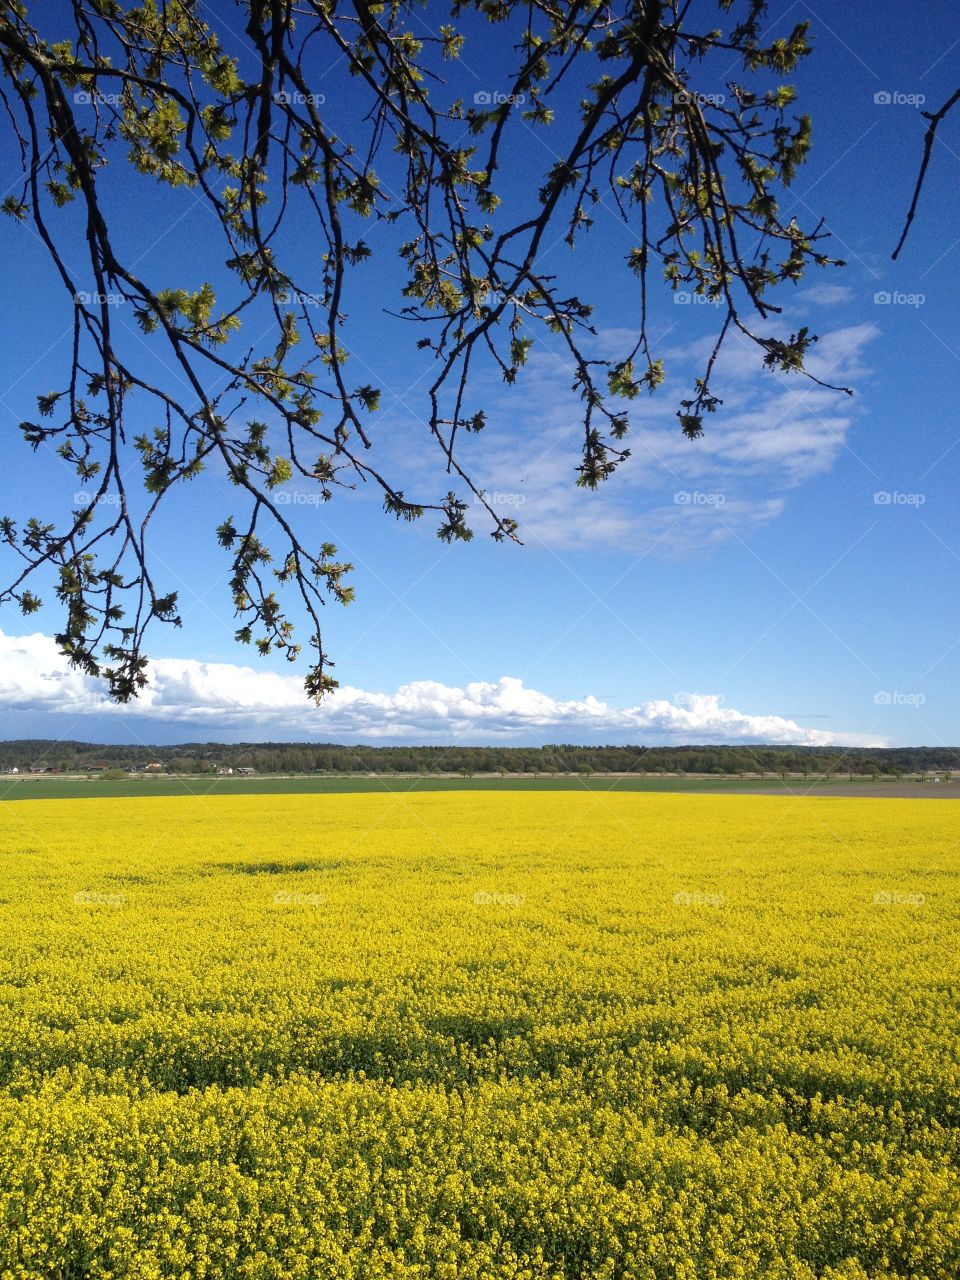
479, 1037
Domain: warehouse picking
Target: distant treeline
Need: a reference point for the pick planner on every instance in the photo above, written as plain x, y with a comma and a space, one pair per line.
292, 757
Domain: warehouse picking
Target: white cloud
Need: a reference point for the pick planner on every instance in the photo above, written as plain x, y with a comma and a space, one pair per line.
695, 521
222, 697
772, 433
826, 295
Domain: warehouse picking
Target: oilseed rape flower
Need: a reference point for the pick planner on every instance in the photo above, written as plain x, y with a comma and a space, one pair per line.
463, 1036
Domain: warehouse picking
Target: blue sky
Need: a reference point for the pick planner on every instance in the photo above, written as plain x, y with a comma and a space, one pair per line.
790, 577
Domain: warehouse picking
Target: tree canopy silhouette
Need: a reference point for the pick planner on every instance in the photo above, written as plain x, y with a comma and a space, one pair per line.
676, 115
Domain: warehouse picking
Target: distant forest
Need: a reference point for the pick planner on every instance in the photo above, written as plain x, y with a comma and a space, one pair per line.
294, 757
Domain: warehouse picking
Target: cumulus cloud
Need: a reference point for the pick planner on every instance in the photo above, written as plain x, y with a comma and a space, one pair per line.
221, 697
